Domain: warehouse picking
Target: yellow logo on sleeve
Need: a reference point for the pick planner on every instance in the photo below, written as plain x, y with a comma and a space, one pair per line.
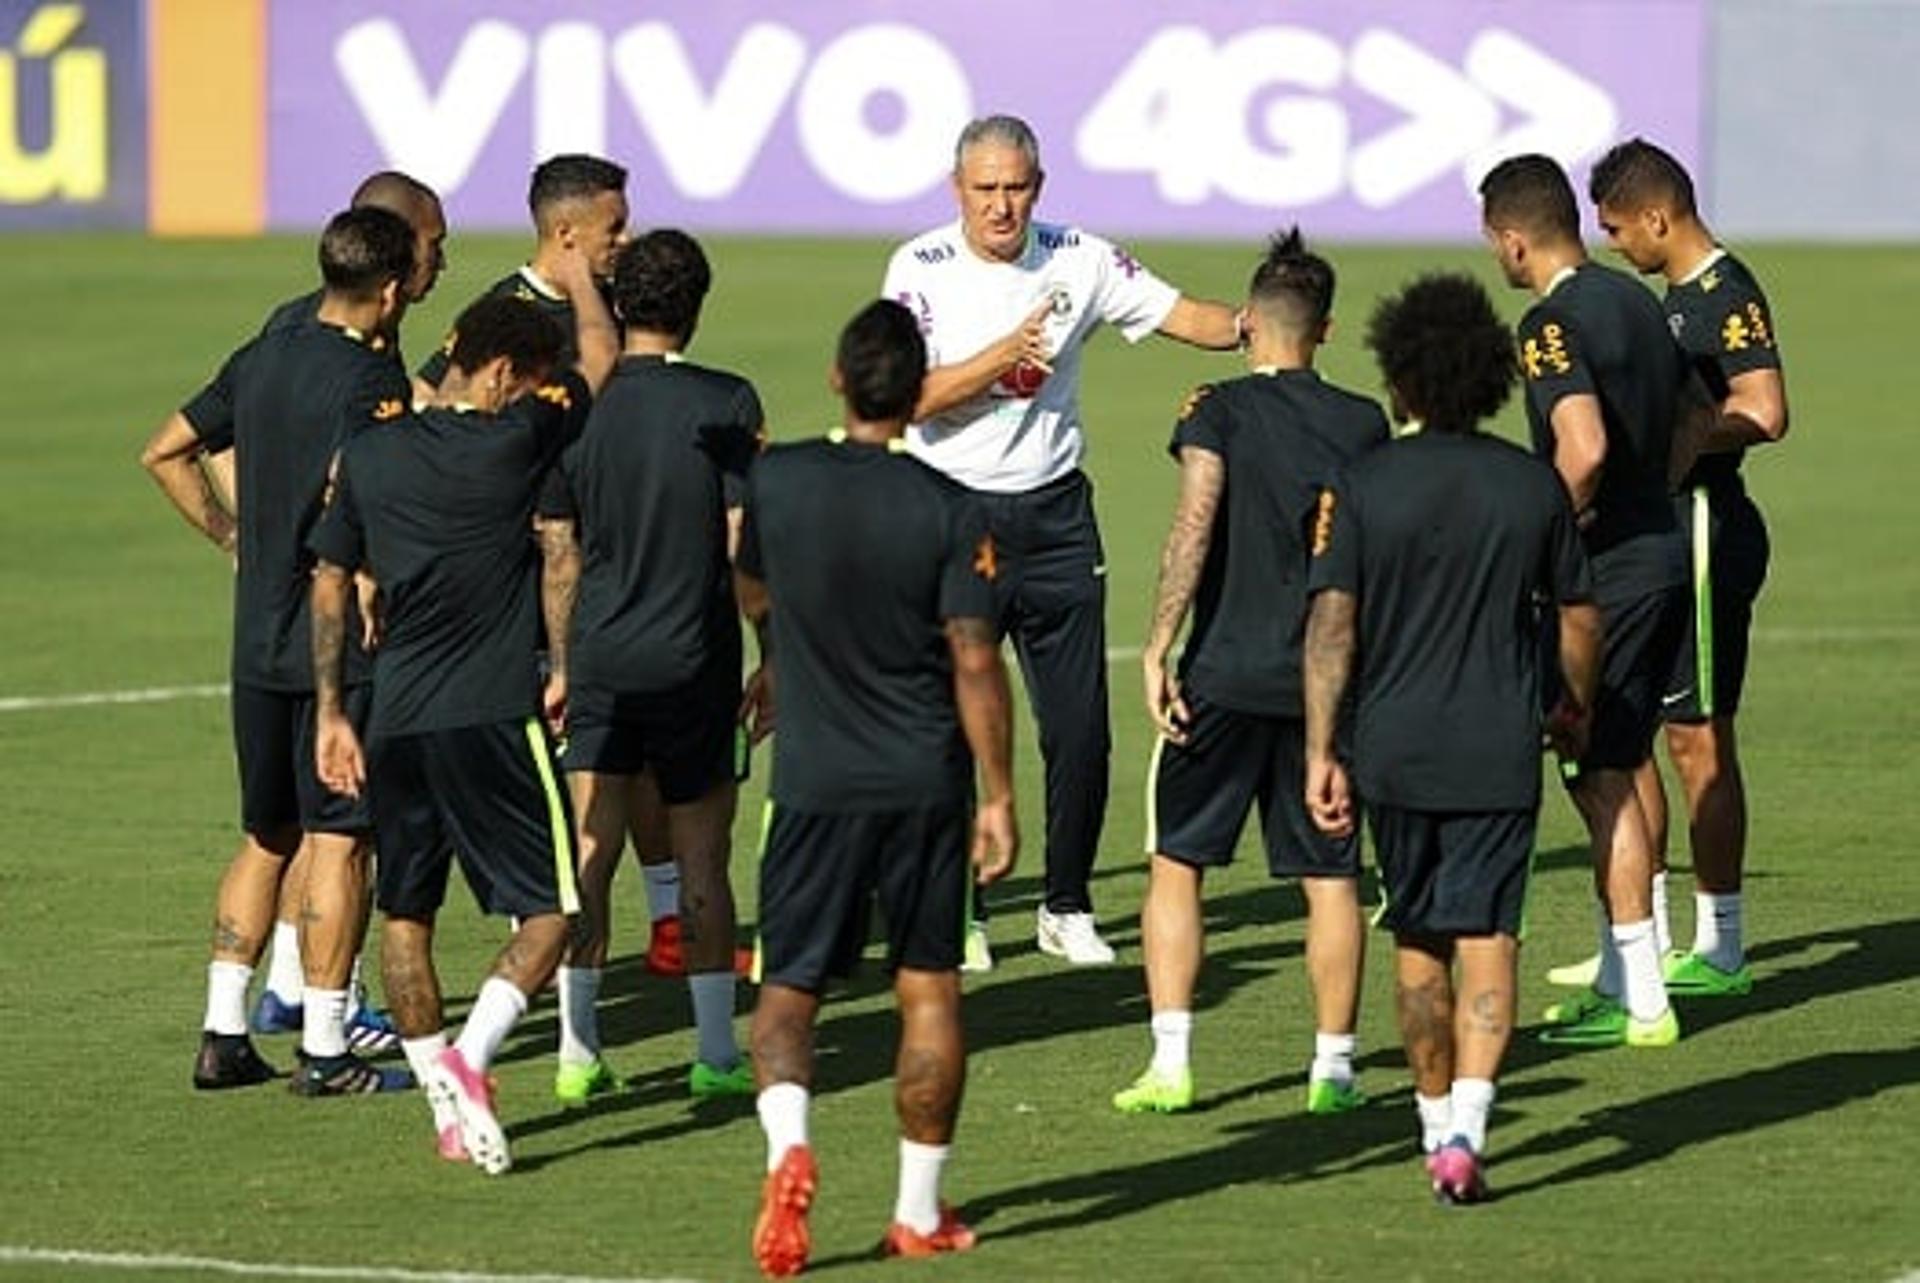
1323, 523
1194, 398
986, 562
1734, 335
391, 408
555, 394
1546, 354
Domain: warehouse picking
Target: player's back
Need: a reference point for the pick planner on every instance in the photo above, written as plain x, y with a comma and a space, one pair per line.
1457, 539
856, 544
1283, 437
646, 484
297, 392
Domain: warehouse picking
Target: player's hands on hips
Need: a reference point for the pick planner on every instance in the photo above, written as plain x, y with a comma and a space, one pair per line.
996, 840
1165, 704
338, 759
1568, 727
1329, 796
756, 704
553, 702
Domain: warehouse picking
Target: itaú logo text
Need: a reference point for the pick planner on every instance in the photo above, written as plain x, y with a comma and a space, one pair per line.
71, 164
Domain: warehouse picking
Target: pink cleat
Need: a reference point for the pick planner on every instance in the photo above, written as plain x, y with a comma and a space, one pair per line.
449, 1144
1456, 1174
469, 1092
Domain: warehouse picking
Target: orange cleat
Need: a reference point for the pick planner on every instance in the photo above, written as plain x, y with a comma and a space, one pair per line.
951, 1235
666, 955
780, 1237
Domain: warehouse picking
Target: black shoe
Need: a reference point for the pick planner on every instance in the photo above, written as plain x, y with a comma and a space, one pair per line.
345, 1075
229, 1060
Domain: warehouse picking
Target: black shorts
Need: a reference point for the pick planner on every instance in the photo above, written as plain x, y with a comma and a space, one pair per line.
489, 795
1730, 553
686, 736
1640, 635
280, 788
819, 876
1199, 793
1453, 873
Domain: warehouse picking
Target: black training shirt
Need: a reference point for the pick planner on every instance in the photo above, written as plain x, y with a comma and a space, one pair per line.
866, 552
1600, 332
285, 404
1452, 545
1721, 321
1283, 437
438, 507
645, 484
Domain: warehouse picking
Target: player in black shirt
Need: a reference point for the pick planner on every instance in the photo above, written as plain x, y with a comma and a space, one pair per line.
283, 405
644, 643
1721, 318
1604, 381
439, 505
1255, 454
1433, 560
875, 573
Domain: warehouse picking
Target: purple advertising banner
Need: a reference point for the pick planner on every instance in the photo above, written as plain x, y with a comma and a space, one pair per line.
73, 145
1362, 119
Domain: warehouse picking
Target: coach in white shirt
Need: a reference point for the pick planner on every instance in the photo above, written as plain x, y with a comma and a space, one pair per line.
1006, 304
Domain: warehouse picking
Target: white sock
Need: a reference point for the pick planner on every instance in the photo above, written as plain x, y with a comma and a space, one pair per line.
783, 1117
1172, 1040
1646, 992
579, 1019
323, 1030
1472, 1100
495, 1010
712, 993
663, 889
1436, 1120
918, 1204
227, 997
1662, 925
1716, 930
1609, 980
1332, 1058
285, 980
422, 1053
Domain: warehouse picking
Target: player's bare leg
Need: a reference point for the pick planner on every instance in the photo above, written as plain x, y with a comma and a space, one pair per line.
332, 916
1706, 757
929, 1075
1651, 789
783, 1073
243, 918
601, 806
1423, 1003
1336, 952
1172, 942
700, 834
281, 997
647, 826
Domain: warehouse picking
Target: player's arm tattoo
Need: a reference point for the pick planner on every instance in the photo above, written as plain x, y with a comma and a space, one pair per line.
1328, 664
331, 588
985, 702
172, 458
1203, 479
559, 586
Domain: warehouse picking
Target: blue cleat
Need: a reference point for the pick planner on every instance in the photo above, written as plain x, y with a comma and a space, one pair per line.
370, 1031
346, 1075
275, 1015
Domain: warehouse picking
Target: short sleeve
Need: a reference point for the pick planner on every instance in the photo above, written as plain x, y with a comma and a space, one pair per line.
905, 285
1553, 359
556, 411
733, 442
1200, 422
338, 537
1570, 573
557, 496
748, 556
1335, 547
385, 395
1127, 295
972, 562
434, 368
1744, 341
210, 412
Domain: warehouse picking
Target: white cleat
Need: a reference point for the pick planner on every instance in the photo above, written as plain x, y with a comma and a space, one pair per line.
1072, 936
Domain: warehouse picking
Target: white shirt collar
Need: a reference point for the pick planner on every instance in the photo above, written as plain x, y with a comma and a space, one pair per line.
538, 284
1560, 277
1704, 266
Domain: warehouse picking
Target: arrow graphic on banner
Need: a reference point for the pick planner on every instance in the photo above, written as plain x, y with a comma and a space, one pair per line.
1455, 118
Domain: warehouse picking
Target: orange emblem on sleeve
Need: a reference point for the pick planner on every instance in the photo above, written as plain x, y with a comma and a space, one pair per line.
1323, 523
391, 408
556, 394
986, 562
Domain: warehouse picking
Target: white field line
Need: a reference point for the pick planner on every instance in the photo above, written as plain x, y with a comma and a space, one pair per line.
1115, 655
145, 1263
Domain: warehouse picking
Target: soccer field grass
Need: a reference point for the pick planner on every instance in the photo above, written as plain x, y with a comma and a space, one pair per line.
1778, 1140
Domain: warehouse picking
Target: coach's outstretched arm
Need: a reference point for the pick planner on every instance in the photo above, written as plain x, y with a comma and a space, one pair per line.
986, 714
172, 457
1328, 665
1205, 323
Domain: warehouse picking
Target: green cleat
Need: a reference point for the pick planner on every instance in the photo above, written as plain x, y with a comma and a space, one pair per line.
1157, 1092
1331, 1096
1692, 976
575, 1085
704, 1082
1576, 975
1662, 1031
977, 955
1579, 1007
1597, 1026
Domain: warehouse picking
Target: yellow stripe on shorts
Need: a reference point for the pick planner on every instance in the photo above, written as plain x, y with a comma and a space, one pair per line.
557, 826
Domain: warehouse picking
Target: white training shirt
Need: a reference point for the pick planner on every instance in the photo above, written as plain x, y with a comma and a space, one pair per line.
1009, 440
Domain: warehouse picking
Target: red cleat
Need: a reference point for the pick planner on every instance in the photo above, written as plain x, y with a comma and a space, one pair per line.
780, 1237
666, 956
951, 1235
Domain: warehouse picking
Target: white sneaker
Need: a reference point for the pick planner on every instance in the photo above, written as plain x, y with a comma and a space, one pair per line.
977, 956
1072, 936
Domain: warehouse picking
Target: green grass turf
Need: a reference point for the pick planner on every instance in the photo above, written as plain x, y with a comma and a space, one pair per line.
1777, 1141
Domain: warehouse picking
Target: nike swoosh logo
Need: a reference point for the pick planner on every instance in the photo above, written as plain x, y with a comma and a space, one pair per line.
1100, 570
1668, 701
